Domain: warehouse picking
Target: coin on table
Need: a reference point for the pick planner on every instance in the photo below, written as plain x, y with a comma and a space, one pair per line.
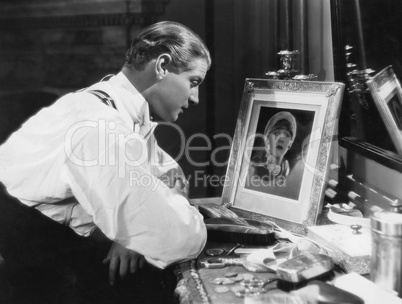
218, 281
221, 289
253, 283
231, 274
227, 281
238, 278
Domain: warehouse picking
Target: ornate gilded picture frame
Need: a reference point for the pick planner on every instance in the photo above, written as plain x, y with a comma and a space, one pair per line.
281, 147
387, 95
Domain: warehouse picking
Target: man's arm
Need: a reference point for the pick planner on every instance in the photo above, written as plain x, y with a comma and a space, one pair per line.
122, 260
130, 205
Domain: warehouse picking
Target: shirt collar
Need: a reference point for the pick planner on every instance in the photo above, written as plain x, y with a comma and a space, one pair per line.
132, 100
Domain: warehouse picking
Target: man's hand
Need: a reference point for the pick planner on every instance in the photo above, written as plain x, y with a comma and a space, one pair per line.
181, 187
122, 260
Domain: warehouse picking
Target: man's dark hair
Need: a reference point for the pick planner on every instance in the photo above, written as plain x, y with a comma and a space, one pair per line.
173, 38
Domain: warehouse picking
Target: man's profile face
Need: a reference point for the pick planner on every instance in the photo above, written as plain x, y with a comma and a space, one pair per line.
178, 89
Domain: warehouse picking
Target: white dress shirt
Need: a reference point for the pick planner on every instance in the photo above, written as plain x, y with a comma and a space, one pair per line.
108, 160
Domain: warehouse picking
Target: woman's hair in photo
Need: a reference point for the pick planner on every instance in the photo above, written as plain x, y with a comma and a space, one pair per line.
282, 120
173, 38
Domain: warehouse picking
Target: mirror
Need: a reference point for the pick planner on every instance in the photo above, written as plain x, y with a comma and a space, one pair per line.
366, 39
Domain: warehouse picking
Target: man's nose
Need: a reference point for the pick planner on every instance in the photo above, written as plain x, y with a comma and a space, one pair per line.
193, 99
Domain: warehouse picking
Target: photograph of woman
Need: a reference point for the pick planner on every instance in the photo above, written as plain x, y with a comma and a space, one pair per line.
276, 163
278, 137
395, 107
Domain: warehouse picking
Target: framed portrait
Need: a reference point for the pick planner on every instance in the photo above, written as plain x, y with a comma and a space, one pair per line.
281, 148
387, 95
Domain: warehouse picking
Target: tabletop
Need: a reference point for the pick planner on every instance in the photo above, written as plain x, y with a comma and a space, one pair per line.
199, 284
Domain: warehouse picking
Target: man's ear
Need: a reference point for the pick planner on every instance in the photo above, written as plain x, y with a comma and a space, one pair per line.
161, 66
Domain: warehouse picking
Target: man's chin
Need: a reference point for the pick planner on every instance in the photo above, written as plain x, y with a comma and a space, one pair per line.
170, 118
174, 118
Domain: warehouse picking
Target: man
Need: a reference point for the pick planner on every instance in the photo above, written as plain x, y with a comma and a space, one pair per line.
92, 162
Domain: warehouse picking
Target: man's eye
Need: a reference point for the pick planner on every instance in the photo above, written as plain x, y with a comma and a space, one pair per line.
194, 84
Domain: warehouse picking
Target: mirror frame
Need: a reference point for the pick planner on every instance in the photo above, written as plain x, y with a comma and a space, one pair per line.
382, 156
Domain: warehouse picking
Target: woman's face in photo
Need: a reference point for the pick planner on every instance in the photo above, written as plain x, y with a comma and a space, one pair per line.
280, 142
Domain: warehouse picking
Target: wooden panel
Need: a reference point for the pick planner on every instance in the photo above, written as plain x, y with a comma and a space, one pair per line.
46, 8
62, 45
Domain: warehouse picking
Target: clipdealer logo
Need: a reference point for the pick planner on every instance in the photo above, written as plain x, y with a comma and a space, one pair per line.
111, 147
100, 143
131, 148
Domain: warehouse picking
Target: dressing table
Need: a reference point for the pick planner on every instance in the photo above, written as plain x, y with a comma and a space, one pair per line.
197, 284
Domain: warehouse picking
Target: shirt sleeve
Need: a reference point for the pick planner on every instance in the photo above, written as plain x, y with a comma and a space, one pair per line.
108, 170
163, 166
